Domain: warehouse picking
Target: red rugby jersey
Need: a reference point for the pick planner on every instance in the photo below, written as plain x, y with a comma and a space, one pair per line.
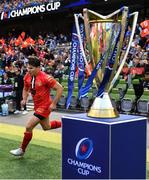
42, 86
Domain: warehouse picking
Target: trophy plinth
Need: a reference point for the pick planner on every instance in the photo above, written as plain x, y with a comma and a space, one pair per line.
102, 108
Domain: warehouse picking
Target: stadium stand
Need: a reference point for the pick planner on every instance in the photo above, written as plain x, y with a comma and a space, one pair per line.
128, 102
54, 53
143, 103
115, 97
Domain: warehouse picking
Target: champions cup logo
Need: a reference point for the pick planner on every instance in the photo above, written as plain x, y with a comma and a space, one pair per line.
51, 6
84, 149
73, 52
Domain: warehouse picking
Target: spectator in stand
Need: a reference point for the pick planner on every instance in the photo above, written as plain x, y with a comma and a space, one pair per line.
125, 72
59, 68
9, 72
18, 88
146, 76
6, 80
50, 63
62, 39
137, 72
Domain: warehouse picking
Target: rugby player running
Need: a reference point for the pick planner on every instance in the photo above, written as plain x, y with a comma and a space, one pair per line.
39, 85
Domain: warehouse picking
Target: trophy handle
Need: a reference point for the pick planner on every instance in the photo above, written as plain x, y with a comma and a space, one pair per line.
87, 30
135, 17
123, 25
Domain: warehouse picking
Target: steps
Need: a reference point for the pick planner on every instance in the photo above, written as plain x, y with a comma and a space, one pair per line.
30, 106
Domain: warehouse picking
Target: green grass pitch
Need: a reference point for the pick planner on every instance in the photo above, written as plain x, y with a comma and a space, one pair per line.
41, 161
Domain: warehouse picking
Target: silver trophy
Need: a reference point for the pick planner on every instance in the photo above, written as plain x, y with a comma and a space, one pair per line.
105, 38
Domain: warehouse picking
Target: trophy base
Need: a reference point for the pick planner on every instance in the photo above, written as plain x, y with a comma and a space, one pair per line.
102, 108
103, 113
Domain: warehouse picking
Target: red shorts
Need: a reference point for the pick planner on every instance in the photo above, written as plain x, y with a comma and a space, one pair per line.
43, 111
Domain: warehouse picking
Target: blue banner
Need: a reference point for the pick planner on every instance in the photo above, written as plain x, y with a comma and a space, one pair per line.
81, 64
109, 66
73, 63
84, 90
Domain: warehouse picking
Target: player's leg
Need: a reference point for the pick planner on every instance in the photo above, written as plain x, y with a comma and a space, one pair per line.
31, 123
47, 125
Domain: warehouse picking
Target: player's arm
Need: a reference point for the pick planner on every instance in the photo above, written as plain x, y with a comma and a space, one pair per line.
59, 89
25, 95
